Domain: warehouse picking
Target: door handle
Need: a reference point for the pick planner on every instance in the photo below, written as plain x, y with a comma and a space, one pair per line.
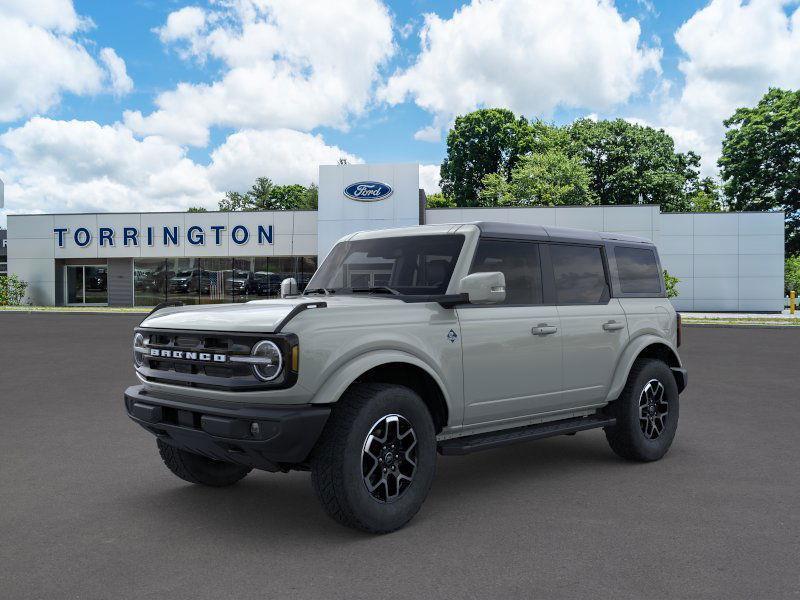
543, 329
613, 326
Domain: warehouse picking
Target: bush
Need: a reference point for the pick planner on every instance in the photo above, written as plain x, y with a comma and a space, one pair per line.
12, 290
672, 284
791, 277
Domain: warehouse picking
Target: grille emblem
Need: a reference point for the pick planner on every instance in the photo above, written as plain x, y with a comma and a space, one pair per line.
186, 355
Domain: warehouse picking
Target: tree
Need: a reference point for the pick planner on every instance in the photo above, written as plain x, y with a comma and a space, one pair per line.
265, 195
12, 290
760, 162
791, 278
439, 200
548, 179
197, 209
627, 161
671, 283
485, 141
706, 196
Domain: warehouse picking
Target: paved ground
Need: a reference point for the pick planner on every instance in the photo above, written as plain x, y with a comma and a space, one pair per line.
88, 511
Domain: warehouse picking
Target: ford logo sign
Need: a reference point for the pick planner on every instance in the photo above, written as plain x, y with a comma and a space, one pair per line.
368, 191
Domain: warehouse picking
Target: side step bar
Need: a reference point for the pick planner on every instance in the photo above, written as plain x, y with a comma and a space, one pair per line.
495, 439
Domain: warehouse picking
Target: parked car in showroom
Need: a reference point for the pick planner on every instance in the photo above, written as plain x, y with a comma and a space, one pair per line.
267, 283
478, 335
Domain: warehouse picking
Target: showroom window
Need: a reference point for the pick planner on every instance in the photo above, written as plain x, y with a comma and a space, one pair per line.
86, 284
217, 280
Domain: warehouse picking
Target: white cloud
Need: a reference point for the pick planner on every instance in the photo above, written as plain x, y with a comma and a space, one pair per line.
41, 58
429, 178
734, 51
287, 64
183, 24
81, 166
121, 83
283, 155
528, 55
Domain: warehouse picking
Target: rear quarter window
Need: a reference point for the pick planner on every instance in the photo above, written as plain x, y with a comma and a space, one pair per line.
637, 269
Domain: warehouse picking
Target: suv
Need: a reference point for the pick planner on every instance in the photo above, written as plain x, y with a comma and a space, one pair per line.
468, 337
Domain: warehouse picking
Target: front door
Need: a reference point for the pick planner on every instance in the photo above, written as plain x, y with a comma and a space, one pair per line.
511, 351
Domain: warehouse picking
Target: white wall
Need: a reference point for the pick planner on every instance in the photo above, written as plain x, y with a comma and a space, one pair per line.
340, 215
725, 261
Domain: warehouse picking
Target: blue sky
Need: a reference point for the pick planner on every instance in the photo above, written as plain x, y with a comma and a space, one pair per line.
145, 104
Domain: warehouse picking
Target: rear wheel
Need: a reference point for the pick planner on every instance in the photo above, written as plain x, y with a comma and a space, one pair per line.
199, 469
375, 461
646, 412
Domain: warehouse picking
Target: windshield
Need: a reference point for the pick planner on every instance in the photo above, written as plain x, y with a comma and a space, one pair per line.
411, 265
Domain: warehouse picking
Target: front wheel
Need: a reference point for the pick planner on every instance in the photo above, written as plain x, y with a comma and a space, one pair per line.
646, 412
375, 460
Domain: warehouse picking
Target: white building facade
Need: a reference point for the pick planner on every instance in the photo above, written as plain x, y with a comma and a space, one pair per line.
725, 261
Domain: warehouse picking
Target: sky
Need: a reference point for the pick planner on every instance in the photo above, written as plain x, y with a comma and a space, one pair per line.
139, 105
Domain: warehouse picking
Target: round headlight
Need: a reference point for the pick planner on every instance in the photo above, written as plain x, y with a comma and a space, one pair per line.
138, 347
271, 363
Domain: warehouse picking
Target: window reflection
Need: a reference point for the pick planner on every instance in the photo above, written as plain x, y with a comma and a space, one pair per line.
217, 280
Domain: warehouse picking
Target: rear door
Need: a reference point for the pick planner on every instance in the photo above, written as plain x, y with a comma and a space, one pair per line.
593, 324
511, 351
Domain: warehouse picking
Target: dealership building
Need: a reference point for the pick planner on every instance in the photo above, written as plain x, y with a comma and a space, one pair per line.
725, 261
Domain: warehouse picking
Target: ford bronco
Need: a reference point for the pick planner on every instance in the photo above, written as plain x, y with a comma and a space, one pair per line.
449, 338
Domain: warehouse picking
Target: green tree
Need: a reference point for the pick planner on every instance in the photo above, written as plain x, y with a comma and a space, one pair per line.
548, 179
234, 201
287, 197
627, 161
197, 209
12, 290
485, 141
439, 200
706, 196
760, 162
311, 198
791, 278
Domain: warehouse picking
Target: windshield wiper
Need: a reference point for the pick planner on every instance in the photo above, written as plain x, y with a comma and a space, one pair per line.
376, 289
324, 291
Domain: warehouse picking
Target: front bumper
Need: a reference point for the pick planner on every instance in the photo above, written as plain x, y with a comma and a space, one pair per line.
284, 434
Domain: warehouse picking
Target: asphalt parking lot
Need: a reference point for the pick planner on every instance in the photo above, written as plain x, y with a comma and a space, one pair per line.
87, 510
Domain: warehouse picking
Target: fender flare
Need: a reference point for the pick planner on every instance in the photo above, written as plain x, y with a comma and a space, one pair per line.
629, 356
342, 378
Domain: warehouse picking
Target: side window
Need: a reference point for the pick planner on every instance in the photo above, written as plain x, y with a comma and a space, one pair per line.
519, 262
579, 274
638, 271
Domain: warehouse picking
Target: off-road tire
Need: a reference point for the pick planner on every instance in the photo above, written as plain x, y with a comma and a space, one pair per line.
199, 469
336, 461
626, 438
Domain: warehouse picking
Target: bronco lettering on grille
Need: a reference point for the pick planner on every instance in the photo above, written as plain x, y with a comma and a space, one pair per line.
182, 354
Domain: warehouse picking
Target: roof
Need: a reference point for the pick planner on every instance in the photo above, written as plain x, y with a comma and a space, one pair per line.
546, 232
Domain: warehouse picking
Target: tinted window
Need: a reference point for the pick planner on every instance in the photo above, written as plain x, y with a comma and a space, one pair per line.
417, 265
519, 262
638, 271
580, 277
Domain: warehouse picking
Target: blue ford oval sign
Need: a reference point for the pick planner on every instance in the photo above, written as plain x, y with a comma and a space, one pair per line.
368, 191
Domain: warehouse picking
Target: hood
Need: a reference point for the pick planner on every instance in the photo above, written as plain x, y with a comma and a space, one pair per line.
260, 316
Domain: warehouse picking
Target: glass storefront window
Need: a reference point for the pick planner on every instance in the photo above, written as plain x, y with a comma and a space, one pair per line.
217, 280
149, 281
87, 284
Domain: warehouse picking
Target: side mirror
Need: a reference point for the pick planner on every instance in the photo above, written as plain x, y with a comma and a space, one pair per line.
484, 288
288, 287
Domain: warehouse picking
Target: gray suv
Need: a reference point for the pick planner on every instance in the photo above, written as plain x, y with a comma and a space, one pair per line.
408, 342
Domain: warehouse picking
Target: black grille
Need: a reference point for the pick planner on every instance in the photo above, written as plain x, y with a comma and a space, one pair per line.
202, 373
